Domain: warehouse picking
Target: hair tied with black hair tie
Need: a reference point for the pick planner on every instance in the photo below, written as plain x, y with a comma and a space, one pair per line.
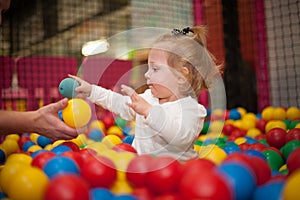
184, 31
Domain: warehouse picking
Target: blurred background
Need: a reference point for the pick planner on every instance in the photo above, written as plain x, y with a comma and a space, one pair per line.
257, 41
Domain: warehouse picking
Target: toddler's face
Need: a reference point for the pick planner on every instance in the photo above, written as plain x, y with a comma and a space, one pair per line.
160, 77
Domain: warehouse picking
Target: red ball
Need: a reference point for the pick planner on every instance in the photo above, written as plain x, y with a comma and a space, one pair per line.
244, 146
108, 120
258, 146
137, 169
99, 172
72, 146
208, 185
142, 193
293, 134
164, 175
67, 187
293, 161
228, 129
122, 147
75, 156
198, 165
261, 125
87, 153
276, 137
168, 196
261, 169
42, 158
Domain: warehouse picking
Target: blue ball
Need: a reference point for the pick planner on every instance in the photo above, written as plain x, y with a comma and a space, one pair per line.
101, 193
67, 87
60, 115
58, 150
128, 139
2, 156
231, 148
34, 154
26, 145
240, 178
252, 152
126, 130
96, 134
60, 165
270, 191
234, 114
43, 141
125, 197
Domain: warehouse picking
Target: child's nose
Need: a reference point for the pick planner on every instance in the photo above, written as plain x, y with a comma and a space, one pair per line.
147, 75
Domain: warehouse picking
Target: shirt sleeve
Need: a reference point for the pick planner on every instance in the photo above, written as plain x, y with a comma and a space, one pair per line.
112, 101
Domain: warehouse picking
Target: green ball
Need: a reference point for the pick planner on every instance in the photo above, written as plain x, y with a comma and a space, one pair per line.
67, 88
120, 122
205, 127
274, 160
289, 147
293, 124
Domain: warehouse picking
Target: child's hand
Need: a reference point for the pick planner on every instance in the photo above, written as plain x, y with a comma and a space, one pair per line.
84, 89
139, 105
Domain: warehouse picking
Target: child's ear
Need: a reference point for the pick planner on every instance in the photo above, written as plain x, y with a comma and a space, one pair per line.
186, 74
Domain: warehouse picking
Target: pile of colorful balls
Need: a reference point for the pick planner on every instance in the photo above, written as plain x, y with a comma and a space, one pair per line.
242, 156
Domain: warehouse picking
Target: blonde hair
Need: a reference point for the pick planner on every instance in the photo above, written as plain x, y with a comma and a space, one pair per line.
190, 51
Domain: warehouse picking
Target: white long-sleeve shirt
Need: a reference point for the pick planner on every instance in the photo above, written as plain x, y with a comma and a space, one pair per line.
170, 128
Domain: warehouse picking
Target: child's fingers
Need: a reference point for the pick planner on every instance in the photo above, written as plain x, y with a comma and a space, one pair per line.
128, 90
79, 80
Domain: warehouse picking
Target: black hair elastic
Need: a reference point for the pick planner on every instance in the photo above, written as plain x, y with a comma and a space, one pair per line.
184, 31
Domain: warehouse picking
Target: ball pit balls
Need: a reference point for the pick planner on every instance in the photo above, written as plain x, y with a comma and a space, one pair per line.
291, 189
99, 172
293, 113
28, 183
101, 193
60, 165
66, 187
67, 87
77, 114
241, 179
270, 191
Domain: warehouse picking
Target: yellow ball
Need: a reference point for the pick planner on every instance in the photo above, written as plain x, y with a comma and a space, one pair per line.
291, 189
80, 140
216, 126
297, 126
249, 116
240, 140
96, 124
29, 183
253, 132
247, 124
19, 158
115, 130
275, 124
121, 187
77, 114
13, 137
34, 137
10, 146
213, 153
34, 148
267, 113
293, 113
279, 113
97, 146
8, 172
241, 110
111, 140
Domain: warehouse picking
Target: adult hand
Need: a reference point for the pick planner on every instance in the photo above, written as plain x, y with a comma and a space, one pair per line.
47, 123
